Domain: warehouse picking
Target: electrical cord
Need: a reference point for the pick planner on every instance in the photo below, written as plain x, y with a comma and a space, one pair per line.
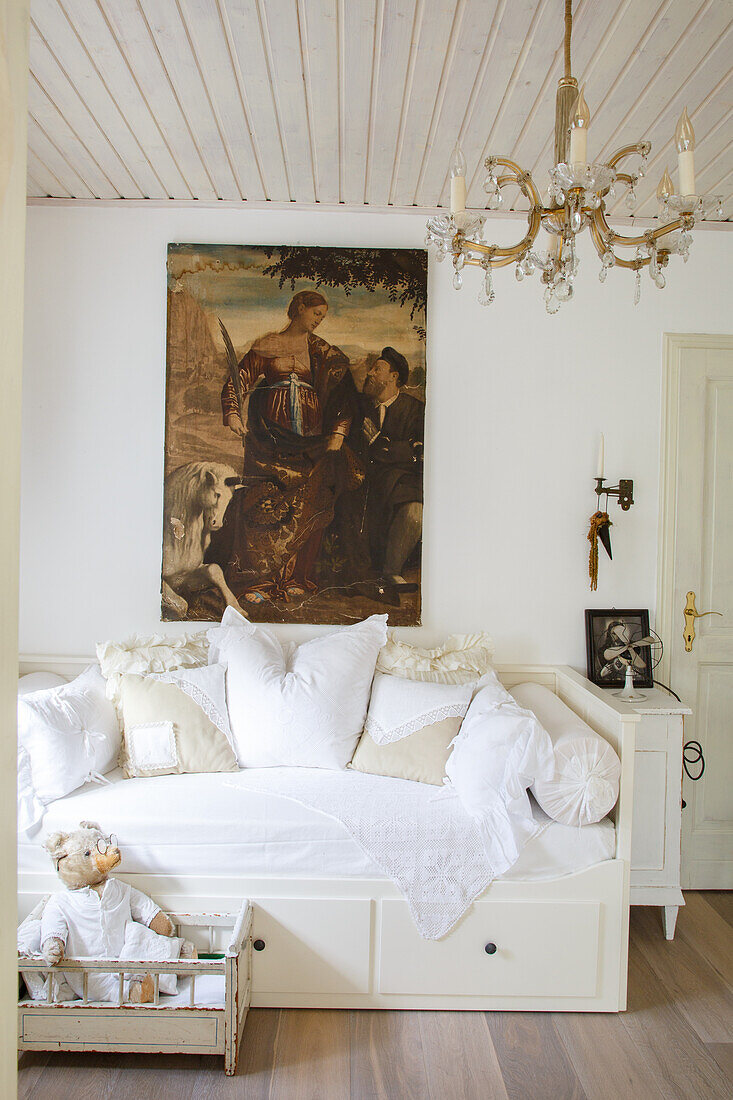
692, 755
658, 683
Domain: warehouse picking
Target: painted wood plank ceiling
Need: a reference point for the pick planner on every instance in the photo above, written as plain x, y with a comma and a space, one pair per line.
360, 102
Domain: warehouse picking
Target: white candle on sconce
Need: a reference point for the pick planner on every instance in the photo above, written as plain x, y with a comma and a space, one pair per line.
601, 456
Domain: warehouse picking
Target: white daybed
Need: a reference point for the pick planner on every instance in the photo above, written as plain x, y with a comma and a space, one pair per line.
331, 931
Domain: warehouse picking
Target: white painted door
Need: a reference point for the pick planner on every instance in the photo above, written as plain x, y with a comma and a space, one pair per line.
697, 556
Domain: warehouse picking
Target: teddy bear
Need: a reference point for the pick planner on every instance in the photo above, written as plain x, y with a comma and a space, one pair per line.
92, 916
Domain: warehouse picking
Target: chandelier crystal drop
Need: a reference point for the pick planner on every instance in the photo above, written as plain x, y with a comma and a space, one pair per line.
579, 194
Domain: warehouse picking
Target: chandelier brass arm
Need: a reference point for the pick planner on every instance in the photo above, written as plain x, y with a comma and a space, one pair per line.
640, 148
579, 194
613, 238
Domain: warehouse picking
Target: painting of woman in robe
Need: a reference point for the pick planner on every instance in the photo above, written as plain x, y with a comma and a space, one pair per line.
276, 382
301, 441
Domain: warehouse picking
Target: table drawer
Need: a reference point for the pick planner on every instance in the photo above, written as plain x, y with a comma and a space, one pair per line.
312, 945
543, 949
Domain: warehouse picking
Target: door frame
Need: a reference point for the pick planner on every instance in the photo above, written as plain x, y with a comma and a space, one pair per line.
669, 618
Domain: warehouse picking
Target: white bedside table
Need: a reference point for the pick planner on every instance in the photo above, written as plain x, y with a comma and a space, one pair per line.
655, 838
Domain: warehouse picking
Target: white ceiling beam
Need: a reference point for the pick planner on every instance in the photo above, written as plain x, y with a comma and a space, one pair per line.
74, 29
49, 153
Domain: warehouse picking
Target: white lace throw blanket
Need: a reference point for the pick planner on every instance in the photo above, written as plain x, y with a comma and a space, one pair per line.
418, 835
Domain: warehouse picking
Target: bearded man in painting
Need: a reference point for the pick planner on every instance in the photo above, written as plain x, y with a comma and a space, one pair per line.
393, 431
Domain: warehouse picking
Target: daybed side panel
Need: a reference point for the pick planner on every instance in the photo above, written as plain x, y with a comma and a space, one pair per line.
148, 1031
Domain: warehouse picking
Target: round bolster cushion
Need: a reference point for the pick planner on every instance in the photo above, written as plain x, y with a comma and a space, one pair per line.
587, 769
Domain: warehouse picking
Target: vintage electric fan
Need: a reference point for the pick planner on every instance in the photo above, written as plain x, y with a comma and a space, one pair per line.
626, 653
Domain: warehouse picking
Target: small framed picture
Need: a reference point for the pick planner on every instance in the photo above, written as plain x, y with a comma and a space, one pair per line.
610, 637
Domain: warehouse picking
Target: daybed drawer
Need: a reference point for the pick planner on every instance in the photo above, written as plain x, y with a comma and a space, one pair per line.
311, 945
541, 949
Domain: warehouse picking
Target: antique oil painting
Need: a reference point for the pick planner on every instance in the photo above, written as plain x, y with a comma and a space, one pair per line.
295, 402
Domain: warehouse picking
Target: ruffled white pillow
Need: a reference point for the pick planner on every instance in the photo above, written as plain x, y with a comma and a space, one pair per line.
500, 752
585, 784
462, 659
67, 735
145, 654
304, 706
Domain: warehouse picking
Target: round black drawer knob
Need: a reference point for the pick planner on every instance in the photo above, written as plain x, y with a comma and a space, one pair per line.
259, 945
490, 949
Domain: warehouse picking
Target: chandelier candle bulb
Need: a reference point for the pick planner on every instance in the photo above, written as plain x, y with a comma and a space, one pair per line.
457, 181
601, 456
665, 189
684, 137
579, 197
579, 130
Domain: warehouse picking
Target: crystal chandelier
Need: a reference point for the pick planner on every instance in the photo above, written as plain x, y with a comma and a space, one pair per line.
578, 195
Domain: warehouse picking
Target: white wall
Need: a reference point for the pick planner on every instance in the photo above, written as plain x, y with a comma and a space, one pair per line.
516, 401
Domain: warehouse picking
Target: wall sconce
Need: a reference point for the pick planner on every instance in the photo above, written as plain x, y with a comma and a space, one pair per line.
600, 522
624, 491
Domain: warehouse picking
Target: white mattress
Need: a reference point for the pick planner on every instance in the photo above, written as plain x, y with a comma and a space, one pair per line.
213, 824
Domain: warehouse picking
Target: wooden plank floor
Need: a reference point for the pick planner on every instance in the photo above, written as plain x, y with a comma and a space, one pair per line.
674, 1042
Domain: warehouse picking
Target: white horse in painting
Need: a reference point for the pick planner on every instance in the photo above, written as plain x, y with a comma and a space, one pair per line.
195, 499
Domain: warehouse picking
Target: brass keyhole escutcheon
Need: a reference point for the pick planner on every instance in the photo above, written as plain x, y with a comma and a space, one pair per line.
691, 613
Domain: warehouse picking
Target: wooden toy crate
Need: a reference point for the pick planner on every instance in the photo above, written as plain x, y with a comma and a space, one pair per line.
186, 1023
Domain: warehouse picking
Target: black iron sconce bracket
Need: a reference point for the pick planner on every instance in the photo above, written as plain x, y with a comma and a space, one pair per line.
624, 491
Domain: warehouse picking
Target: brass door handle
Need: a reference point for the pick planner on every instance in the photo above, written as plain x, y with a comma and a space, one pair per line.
691, 613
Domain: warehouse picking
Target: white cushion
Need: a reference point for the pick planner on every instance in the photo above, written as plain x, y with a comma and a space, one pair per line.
142, 944
304, 707
500, 751
37, 681
585, 784
66, 735
29, 946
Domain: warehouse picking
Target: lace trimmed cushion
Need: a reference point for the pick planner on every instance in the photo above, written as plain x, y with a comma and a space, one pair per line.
410, 727
176, 722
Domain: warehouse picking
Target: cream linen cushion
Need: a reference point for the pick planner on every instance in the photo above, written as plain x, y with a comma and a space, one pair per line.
421, 756
410, 727
167, 731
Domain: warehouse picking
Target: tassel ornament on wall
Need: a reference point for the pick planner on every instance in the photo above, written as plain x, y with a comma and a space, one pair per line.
600, 526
